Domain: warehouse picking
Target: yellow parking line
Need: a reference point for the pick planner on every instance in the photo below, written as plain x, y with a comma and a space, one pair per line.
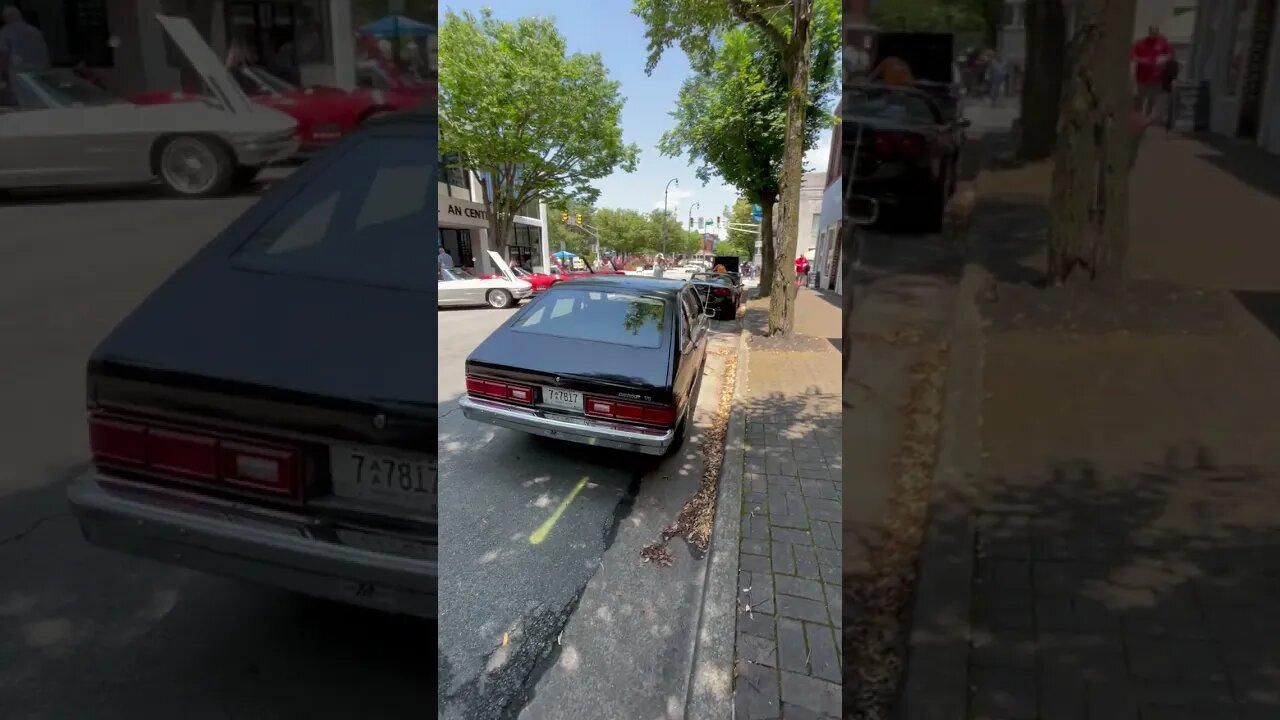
545, 529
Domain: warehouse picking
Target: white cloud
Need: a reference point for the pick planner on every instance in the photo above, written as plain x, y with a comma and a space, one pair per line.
675, 197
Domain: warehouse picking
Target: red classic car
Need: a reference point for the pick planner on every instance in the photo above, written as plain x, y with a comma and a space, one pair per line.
324, 114
539, 281
563, 273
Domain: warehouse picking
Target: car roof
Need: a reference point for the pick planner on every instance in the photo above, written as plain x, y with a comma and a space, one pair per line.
666, 287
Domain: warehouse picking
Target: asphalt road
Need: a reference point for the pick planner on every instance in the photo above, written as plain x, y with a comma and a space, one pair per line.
87, 633
526, 524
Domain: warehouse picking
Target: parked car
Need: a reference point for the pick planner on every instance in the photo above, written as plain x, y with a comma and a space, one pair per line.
324, 114
720, 294
64, 131
907, 153
539, 281
286, 433
563, 273
609, 361
459, 288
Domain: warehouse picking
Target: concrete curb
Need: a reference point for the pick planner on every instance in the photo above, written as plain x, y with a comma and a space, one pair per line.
711, 681
936, 686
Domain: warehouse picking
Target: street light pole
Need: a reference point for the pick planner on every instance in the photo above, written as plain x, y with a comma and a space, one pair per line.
691, 207
664, 213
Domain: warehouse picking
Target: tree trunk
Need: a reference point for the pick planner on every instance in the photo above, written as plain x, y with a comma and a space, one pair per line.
782, 300
1046, 38
767, 264
1089, 203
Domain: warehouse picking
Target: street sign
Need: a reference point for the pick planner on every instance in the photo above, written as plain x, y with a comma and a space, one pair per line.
756, 214
709, 223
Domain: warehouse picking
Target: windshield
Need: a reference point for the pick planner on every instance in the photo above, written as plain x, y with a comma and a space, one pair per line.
521, 272
256, 81
889, 104
63, 88
452, 274
595, 315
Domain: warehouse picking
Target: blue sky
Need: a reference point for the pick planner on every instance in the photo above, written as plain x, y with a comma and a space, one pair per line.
607, 27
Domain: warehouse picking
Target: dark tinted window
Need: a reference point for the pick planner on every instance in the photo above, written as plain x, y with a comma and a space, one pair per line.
597, 315
364, 219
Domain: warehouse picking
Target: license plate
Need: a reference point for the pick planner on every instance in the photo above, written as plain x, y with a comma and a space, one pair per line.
397, 480
561, 398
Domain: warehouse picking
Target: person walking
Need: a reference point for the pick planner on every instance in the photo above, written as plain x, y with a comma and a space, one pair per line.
802, 271
22, 47
445, 261
997, 78
1148, 56
1169, 76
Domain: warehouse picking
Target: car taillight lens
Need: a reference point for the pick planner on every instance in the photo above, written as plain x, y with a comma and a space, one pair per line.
193, 455
660, 415
721, 292
497, 390
897, 144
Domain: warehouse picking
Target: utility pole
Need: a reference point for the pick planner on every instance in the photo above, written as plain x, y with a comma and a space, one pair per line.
664, 213
691, 207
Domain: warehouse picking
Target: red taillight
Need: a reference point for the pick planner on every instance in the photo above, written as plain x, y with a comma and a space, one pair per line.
509, 392
898, 144
663, 416
721, 292
193, 455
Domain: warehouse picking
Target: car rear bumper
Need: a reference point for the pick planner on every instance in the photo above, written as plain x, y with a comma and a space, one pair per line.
907, 188
239, 541
564, 427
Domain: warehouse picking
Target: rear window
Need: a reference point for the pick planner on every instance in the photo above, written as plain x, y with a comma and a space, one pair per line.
596, 315
365, 219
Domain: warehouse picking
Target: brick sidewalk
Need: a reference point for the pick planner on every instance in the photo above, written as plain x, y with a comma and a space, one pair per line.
788, 625
1128, 508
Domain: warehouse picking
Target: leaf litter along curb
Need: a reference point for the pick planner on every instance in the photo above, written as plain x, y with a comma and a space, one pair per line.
880, 599
698, 515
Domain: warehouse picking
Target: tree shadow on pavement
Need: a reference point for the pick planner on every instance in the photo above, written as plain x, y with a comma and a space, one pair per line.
1245, 161
1153, 588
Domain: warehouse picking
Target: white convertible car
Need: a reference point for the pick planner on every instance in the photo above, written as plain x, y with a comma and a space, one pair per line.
60, 130
457, 288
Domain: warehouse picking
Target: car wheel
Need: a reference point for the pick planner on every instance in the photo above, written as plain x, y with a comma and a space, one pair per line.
245, 175
195, 167
499, 299
682, 430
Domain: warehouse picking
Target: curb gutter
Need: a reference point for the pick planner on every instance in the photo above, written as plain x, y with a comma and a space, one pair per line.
711, 685
936, 685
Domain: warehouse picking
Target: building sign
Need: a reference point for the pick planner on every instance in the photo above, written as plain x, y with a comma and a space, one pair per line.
462, 213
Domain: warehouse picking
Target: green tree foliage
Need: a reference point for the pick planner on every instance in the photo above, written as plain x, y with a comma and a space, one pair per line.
931, 15
731, 118
535, 122
743, 242
788, 27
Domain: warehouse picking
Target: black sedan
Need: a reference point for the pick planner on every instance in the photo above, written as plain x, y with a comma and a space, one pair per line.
720, 293
905, 149
269, 412
614, 361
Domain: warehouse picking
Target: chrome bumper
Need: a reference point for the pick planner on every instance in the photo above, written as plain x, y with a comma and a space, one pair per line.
239, 541
564, 427
256, 153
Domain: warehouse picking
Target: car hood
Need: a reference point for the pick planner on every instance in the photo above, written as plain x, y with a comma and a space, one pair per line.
205, 62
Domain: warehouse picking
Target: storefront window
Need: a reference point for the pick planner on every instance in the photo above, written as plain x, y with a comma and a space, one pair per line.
458, 244
526, 246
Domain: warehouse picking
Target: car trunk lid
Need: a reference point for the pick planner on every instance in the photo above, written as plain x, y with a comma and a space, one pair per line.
286, 361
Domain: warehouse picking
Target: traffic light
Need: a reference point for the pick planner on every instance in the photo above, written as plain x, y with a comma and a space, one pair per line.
717, 221
564, 216
579, 218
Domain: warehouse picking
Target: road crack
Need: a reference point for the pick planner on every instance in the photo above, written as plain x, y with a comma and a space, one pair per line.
35, 525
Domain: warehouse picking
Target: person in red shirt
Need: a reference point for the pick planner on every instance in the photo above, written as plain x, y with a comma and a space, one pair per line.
1148, 57
802, 270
